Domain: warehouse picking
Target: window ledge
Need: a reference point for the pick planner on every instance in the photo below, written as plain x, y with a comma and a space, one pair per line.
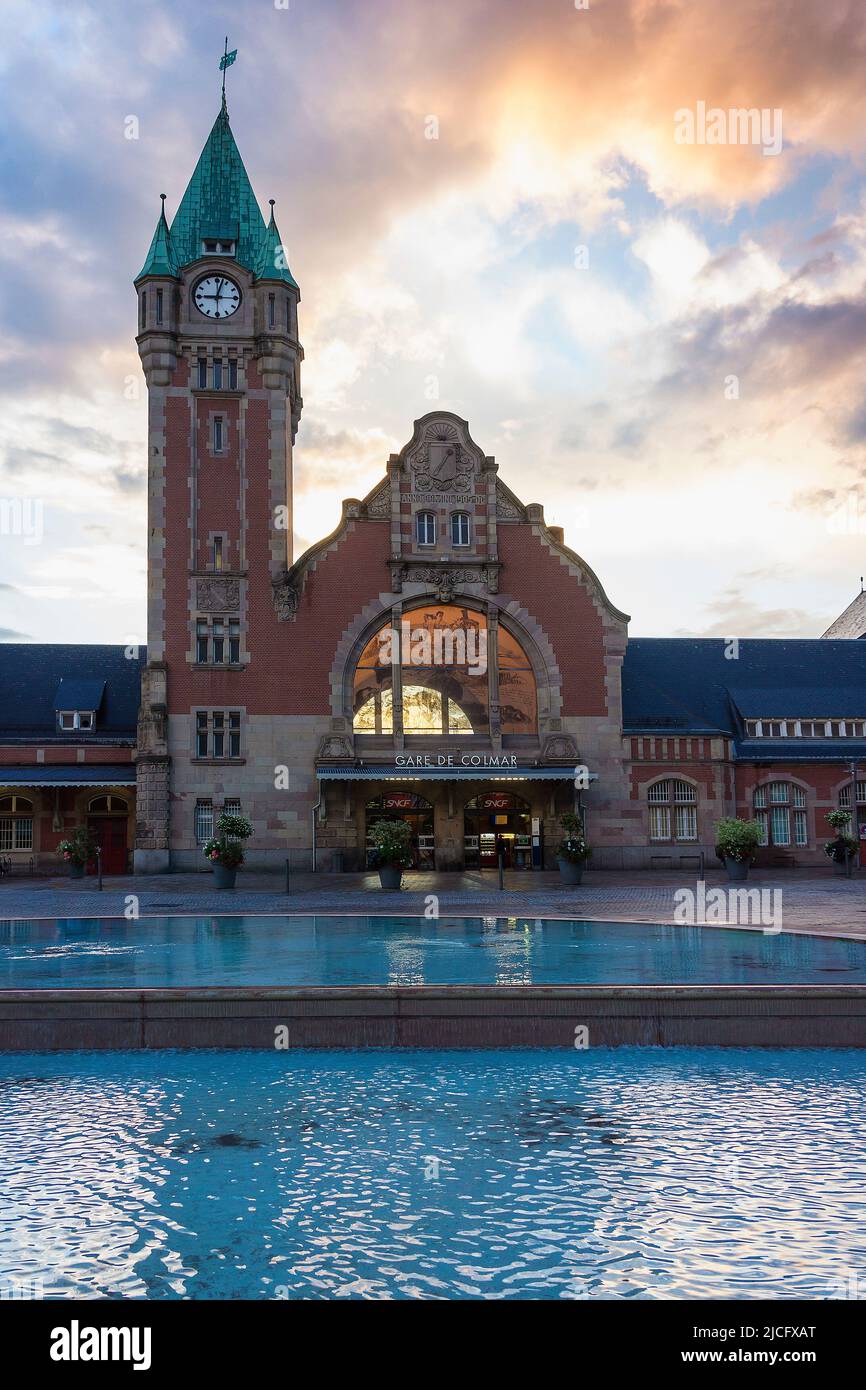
219, 762
219, 666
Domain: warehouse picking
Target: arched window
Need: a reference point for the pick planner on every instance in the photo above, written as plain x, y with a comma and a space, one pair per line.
673, 814
460, 528
442, 654
16, 823
107, 805
425, 528
780, 810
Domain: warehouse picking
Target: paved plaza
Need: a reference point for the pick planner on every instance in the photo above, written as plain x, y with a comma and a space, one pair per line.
810, 902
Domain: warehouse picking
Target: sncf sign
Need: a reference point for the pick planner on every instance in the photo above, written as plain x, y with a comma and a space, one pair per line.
496, 801
397, 801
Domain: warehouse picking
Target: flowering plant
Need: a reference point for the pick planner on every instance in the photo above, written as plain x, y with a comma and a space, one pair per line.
844, 846
573, 848
737, 839
391, 843
227, 848
79, 848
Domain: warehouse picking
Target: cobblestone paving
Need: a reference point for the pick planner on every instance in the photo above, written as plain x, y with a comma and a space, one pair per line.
810, 902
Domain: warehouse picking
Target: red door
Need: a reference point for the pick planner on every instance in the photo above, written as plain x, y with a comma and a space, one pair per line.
110, 835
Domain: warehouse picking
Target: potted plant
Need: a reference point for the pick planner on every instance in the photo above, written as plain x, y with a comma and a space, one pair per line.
736, 843
573, 851
391, 850
843, 847
78, 850
225, 851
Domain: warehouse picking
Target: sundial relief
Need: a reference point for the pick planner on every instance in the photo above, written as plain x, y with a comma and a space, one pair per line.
441, 463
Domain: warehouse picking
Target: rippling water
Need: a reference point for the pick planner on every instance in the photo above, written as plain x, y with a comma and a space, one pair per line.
609, 1174
351, 950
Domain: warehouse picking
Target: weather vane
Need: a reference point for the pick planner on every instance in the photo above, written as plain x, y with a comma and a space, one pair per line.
225, 62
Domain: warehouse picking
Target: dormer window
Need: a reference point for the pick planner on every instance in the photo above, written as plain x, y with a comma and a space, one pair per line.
218, 248
71, 719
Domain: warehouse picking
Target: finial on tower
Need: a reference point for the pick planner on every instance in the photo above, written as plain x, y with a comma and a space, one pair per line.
225, 62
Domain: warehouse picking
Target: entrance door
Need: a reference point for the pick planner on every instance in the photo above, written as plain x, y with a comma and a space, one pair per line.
494, 822
861, 834
110, 834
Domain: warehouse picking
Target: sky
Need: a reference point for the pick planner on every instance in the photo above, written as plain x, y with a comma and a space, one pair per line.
491, 207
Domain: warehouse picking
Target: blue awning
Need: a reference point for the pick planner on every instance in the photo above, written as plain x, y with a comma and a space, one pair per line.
69, 775
391, 772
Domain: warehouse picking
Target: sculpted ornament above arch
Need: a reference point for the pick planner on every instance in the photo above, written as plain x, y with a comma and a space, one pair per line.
441, 457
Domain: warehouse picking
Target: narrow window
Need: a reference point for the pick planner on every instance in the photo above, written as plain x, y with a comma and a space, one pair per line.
425, 528
202, 373
217, 552
460, 528
144, 309
272, 310
234, 734
201, 640
233, 374
203, 821
219, 641
217, 374
217, 434
219, 737
234, 643
201, 734
159, 306
288, 314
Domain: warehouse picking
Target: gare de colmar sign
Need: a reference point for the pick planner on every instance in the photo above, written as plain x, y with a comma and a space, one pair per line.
455, 760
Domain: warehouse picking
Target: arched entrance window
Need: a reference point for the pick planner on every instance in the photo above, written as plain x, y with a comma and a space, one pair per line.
416, 811
107, 806
497, 821
441, 652
16, 823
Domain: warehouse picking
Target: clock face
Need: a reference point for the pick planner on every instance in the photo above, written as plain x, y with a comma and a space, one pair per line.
217, 297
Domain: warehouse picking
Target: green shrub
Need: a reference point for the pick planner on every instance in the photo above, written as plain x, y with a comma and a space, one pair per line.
391, 843
737, 839
573, 848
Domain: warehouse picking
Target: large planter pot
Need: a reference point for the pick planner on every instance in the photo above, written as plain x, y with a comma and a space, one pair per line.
570, 873
76, 870
738, 869
390, 875
224, 877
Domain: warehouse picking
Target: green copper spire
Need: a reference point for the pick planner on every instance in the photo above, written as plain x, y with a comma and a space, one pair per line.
219, 203
160, 259
273, 264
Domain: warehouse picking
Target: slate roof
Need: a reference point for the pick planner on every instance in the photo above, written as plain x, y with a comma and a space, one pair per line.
219, 203
31, 675
73, 693
684, 685
851, 623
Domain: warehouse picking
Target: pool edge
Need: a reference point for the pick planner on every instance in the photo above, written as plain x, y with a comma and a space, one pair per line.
434, 1016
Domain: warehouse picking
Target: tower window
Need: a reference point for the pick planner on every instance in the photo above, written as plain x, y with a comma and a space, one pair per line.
218, 641
202, 373
272, 310
460, 528
159, 306
217, 374
233, 374
218, 434
288, 314
143, 309
425, 528
218, 544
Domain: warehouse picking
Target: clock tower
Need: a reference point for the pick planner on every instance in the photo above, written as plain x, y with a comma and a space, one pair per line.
218, 341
